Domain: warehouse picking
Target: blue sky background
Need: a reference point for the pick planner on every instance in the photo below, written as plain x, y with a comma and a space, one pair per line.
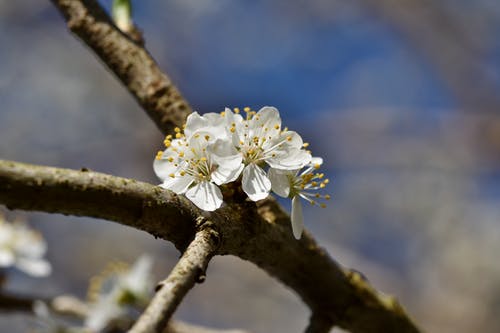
415, 171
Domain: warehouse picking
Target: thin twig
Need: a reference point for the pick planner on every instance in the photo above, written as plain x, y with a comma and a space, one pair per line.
189, 270
130, 62
175, 326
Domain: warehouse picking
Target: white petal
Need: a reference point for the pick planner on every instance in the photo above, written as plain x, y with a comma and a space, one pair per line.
255, 182
293, 160
280, 181
193, 123
226, 175
224, 154
6, 258
206, 196
297, 217
269, 117
178, 184
163, 167
34, 267
138, 278
291, 139
316, 161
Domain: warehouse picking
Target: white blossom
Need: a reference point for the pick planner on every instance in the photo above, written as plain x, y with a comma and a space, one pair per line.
23, 248
296, 184
260, 141
197, 161
116, 290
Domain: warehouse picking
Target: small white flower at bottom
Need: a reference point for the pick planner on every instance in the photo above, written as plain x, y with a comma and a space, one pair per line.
116, 290
23, 248
295, 185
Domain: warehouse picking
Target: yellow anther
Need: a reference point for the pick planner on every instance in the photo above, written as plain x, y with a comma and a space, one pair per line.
326, 181
314, 183
236, 110
200, 174
177, 130
246, 109
203, 159
172, 175
170, 159
316, 166
167, 143
207, 137
289, 138
305, 144
242, 143
223, 113
317, 195
168, 137
178, 135
313, 202
181, 154
327, 197
321, 175
159, 154
183, 173
232, 129
322, 205
197, 135
322, 185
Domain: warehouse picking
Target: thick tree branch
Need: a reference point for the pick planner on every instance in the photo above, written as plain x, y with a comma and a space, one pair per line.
130, 62
86, 193
189, 270
319, 324
261, 236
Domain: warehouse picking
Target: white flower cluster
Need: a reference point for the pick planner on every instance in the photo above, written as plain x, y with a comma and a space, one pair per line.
116, 297
219, 148
115, 293
22, 248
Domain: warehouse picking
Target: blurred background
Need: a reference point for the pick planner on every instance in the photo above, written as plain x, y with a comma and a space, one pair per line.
400, 98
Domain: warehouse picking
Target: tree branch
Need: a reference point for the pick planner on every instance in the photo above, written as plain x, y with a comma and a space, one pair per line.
319, 324
261, 235
182, 327
130, 62
190, 269
86, 193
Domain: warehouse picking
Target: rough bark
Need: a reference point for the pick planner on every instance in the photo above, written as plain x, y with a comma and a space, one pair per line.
189, 270
128, 60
